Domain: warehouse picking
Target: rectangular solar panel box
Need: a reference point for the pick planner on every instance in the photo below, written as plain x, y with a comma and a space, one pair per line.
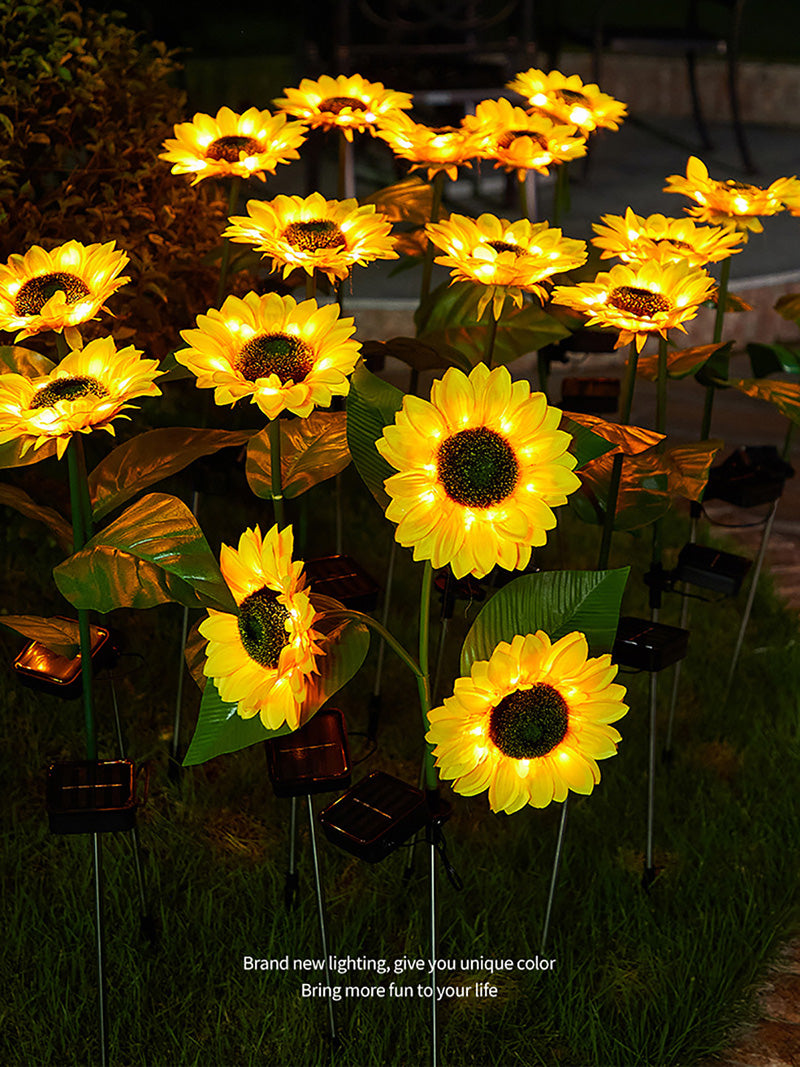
590, 396
342, 578
92, 796
313, 759
709, 568
40, 668
375, 817
748, 477
648, 646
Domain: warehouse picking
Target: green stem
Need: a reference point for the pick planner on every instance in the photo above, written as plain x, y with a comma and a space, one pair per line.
423, 684
522, 189
62, 348
81, 532
311, 285
787, 441
722, 294
427, 265
561, 197
342, 175
542, 367
233, 199
661, 386
491, 337
616, 469
274, 432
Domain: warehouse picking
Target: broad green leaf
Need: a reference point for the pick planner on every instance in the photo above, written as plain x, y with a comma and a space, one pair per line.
371, 404
630, 440
788, 306
149, 457
417, 354
220, 730
11, 453
407, 201
172, 371
59, 635
17, 360
312, 450
585, 445
18, 499
557, 602
714, 371
785, 396
153, 553
680, 364
772, 359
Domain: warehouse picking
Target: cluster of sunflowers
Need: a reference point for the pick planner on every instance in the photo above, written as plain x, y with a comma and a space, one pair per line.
470, 476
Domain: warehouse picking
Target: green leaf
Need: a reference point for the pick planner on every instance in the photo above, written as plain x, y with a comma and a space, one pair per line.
785, 396
557, 602
172, 371
714, 371
772, 359
681, 364
417, 354
312, 450
11, 453
585, 445
219, 729
18, 499
61, 636
407, 201
150, 457
14, 359
788, 306
153, 553
371, 405
630, 440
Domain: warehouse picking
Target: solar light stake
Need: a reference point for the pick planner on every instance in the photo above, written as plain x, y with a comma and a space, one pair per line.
676, 677
434, 1022
290, 887
102, 1017
649, 869
176, 726
321, 913
144, 914
762, 551
554, 876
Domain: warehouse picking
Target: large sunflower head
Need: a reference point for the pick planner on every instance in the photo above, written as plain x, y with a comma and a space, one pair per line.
58, 290
481, 466
732, 203
344, 103
639, 300
530, 723
567, 99
520, 140
437, 148
262, 658
230, 144
314, 233
506, 257
283, 355
90, 387
634, 239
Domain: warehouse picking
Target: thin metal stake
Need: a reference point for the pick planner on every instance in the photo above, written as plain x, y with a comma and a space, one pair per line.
134, 831
102, 1013
676, 677
762, 551
290, 889
651, 779
321, 913
387, 596
554, 876
434, 1021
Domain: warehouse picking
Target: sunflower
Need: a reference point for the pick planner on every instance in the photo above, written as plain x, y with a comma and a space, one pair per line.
505, 257
262, 658
634, 239
231, 144
347, 103
58, 290
644, 298
530, 723
281, 354
521, 141
729, 202
89, 388
480, 465
439, 148
567, 99
314, 233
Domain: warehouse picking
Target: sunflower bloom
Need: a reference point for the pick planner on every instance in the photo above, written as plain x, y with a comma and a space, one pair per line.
728, 202
530, 723
331, 236
58, 290
508, 258
520, 141
262, 658
229, 144
345, 103
567, 99
481, 465
437, 148
634, 239
283, 355
90, 387
639, 300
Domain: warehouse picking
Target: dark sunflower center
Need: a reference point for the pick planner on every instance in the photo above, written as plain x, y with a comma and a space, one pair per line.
262, 627
275, 353
67, 389
512, 135
35, 293
529, 723
477, 467
504, 246
569, 96
639, 302
314, 234
335, 104
673, 242
229, 148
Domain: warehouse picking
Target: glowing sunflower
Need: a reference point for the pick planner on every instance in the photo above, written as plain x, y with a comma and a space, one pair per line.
439, 148
314, 233
634, 239
89, 388
345, 103
506, 257
228, 144
639, 300
480, 465
281, 354
58, 290
263, 658
520, 141
530, 723
567, 99
735, 203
